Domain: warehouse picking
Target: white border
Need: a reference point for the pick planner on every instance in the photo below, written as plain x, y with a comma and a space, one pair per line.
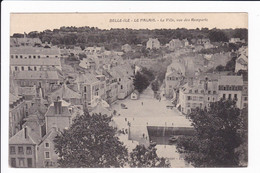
254, 63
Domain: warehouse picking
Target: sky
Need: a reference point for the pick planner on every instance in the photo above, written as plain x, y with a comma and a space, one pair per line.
27, 22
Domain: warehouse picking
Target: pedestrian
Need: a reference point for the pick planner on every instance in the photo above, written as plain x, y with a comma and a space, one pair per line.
125, 119
143, 135
133, 119
146, 137
142, 103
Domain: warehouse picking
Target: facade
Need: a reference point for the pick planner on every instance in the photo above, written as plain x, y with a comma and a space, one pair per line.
230, 87
47, 158
135, 95
34, 59
241, 63
94, 50
203, 41
23, 149
245, 95
18, 110
173, 80
153, 43
58, 116
126, 48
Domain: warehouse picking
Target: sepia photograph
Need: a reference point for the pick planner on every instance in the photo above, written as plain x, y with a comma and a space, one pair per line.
128, 90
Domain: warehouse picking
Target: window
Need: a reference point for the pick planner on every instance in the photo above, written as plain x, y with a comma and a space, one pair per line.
12, 150
21, 162
30, 56
224, 96
224, 88
209, 92
16, 68
28, 150
22, 68
39, 57
20, 150
188, 105
34, 56
21, 56
35, 68
16, 56
245, 105
47, 155
190, 91
12, 56
235, 96
202, 91
47, 145
189, 97
13, 162
47, 56
85, 89
208, 98
245, 99
214, 92
119, 79
229, 96
196, 91
121, 86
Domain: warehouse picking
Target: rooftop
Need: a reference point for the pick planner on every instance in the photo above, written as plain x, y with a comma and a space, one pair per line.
19, 138
231, 80
49, 75
34, 51
35, 62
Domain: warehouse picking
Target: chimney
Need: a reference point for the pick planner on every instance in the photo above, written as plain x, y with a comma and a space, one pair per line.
57, 106
25, 133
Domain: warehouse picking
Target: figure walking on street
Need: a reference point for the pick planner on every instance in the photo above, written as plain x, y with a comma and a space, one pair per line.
142, 103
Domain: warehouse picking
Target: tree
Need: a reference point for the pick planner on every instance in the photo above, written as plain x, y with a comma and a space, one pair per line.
140, 82
142, 157
217, 36
216, 136
220, 68
90, 142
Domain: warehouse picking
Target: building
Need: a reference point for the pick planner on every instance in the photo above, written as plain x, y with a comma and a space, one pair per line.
231, 87
241, 63
153, 43
175, 44
18, 110
126, 48
135, 95
66, 94
16, 42
245, 95
23, 149
47, 158
236, 40
58, 115
94, 50
208, 45
90, 88
30, 80
191, 96
203, 41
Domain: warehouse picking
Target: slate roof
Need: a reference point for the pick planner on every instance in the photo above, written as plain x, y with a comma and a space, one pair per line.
231, 80
13, 98
87, 78
65, 111
34, 51
48, 75
65, 93
19, 138
35, 62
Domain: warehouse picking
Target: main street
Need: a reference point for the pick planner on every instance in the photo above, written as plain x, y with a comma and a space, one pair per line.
148, 111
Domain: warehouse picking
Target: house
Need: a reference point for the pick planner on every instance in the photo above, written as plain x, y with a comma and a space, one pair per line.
153, 43
94, 50
34, 59
47, 80
236, 40
208, 45
241, 63
58, 115
17, 113
88, 63
231, 87
23, 149
244, 103
66, 94
135, 95
16, 42
46, 156
203, 41
90, 88
175, 44
126, 48
101, 109
173, 80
